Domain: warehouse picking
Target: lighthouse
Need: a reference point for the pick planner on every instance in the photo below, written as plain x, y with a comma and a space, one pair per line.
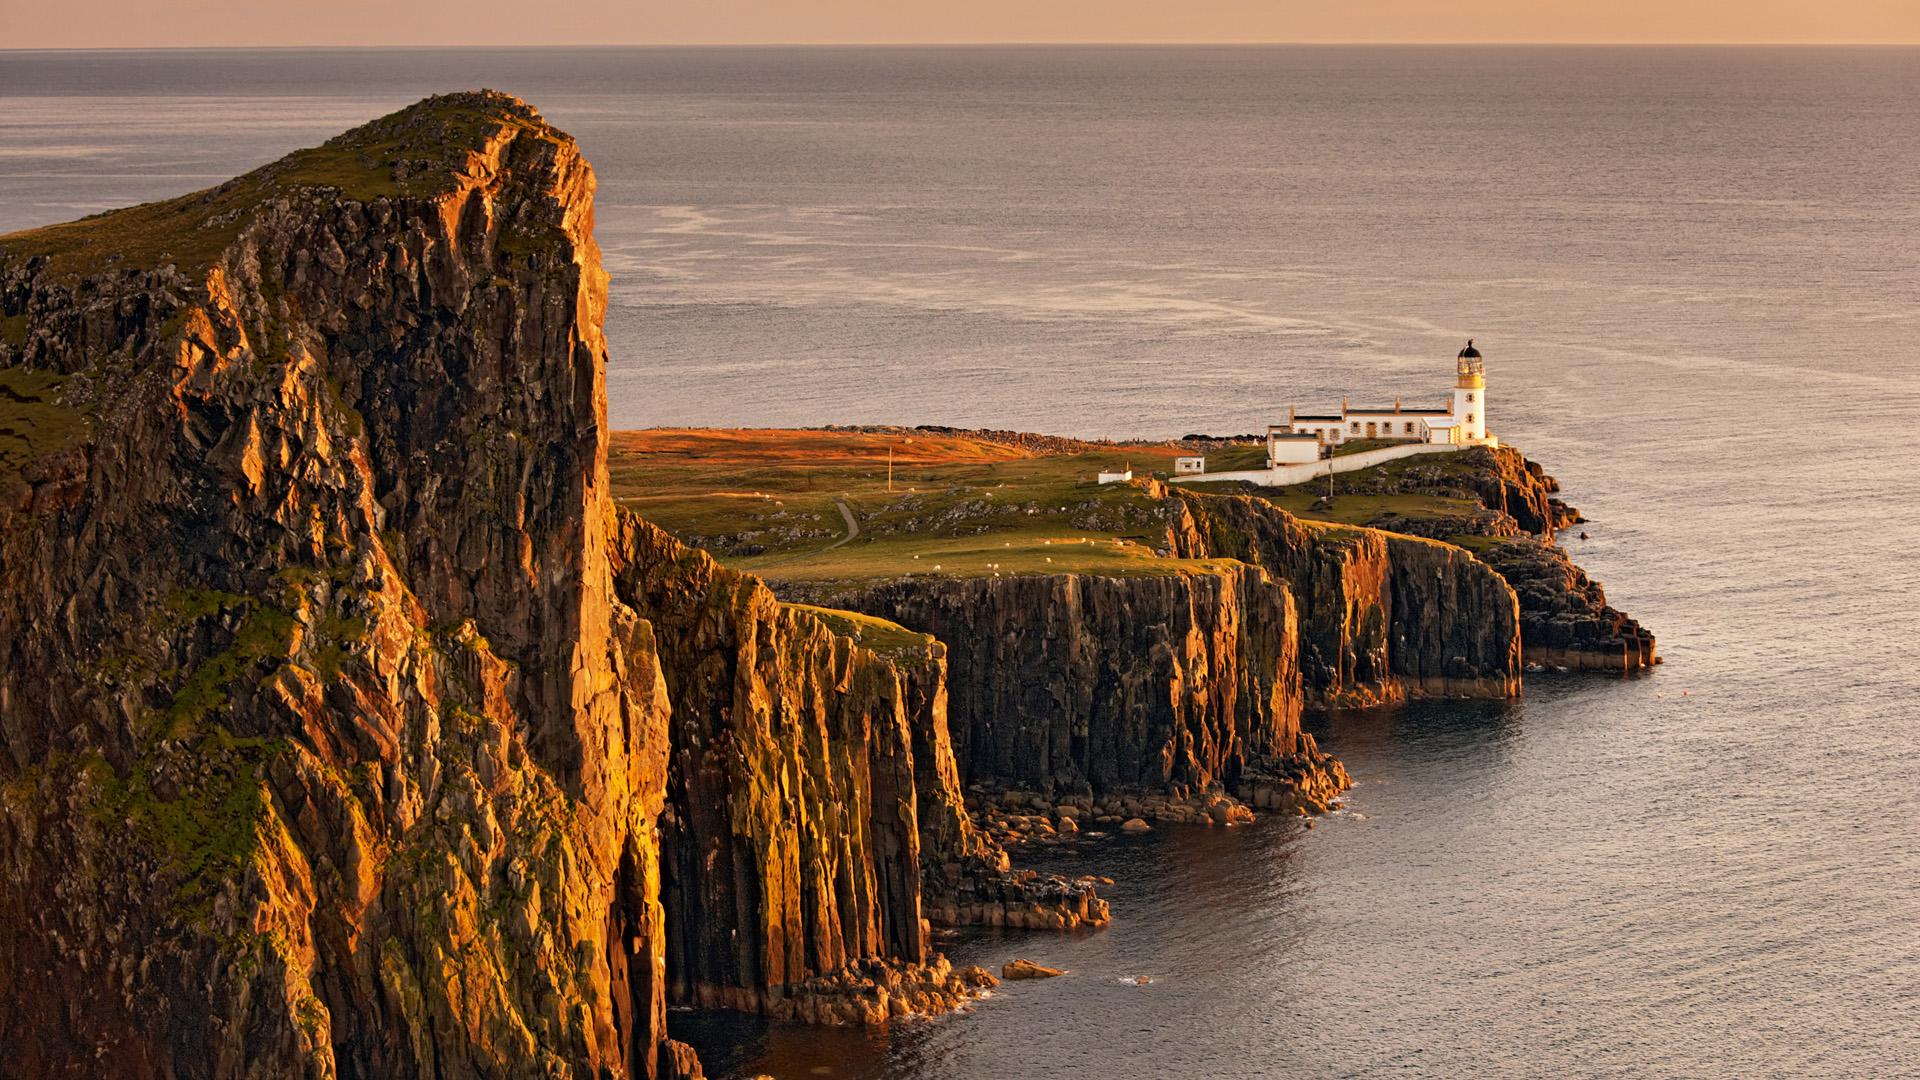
1470, 396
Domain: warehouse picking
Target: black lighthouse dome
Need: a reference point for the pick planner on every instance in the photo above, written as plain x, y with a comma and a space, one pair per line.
1470, 351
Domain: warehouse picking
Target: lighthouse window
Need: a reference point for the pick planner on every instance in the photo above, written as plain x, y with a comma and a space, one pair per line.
1469, 397
1469, 418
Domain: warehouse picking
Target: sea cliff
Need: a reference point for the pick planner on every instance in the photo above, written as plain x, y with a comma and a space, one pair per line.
354, 720
346, 727
1385, 615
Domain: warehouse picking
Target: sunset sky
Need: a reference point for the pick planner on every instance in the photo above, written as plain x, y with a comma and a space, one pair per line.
132, 23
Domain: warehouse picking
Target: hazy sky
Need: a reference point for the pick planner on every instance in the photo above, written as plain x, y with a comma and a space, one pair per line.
123, 23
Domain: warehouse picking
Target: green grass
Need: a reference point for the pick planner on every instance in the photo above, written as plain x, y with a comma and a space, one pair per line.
1359, 446
1366, 509
33, 420
998, 553
1237, 458
767, 502
870, 631
200, 818
265, 633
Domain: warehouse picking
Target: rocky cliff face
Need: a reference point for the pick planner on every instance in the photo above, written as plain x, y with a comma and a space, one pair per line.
1076, 685
329, 748
345, 727
801, 768
1515, 495
1508, 483
1382, 615
1564, 616
1565, 619
1192, 680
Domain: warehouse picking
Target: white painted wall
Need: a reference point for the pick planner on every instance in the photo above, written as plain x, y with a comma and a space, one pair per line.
1292, 450
1328, 430
1185, 466
1287, 475
1470, 412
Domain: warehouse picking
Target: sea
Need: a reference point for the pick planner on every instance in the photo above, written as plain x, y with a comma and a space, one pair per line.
1695, 276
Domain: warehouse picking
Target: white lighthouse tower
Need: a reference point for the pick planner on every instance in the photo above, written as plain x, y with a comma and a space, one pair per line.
1470, 397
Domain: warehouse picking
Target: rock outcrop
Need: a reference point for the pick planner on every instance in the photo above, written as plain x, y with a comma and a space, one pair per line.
1565, 620
1515, 495
791, 839
1382, 616
346, 728
802, 768
1508, 483
328, 746
1083, 683
1564, 617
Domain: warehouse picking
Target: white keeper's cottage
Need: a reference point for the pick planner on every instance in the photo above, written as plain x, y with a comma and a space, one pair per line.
1303, 447
1463, 422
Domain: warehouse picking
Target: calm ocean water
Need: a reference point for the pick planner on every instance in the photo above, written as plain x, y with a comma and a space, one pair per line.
1696, 277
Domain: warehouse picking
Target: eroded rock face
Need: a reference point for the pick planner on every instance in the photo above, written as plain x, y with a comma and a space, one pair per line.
1513, 485
328, 747
1565, 619
345, 726
1382, 616
1079, 683
792, 835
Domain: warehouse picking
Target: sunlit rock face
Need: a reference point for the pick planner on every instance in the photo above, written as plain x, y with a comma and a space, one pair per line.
1383, 616
1080, 683
1192, 680
340, 712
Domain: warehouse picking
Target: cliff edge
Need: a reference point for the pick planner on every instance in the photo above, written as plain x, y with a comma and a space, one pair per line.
346, 727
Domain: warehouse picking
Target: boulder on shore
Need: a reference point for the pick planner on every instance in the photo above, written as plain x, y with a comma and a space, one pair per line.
1135, 825
1027, 969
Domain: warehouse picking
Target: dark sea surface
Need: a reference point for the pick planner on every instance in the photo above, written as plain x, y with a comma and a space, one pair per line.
1695, 274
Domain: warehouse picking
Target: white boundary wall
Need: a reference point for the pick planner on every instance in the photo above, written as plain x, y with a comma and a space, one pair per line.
1287, 475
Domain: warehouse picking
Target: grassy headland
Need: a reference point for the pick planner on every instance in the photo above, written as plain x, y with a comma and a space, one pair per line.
769, 501
973, 504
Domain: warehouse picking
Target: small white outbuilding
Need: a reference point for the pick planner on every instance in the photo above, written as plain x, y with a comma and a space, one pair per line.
1291, 447
1189, 466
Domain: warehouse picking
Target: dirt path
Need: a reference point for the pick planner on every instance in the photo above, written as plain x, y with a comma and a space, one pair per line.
853, 527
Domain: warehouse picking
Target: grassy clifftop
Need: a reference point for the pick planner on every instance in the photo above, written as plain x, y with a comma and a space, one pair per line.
770, 502
777, 502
